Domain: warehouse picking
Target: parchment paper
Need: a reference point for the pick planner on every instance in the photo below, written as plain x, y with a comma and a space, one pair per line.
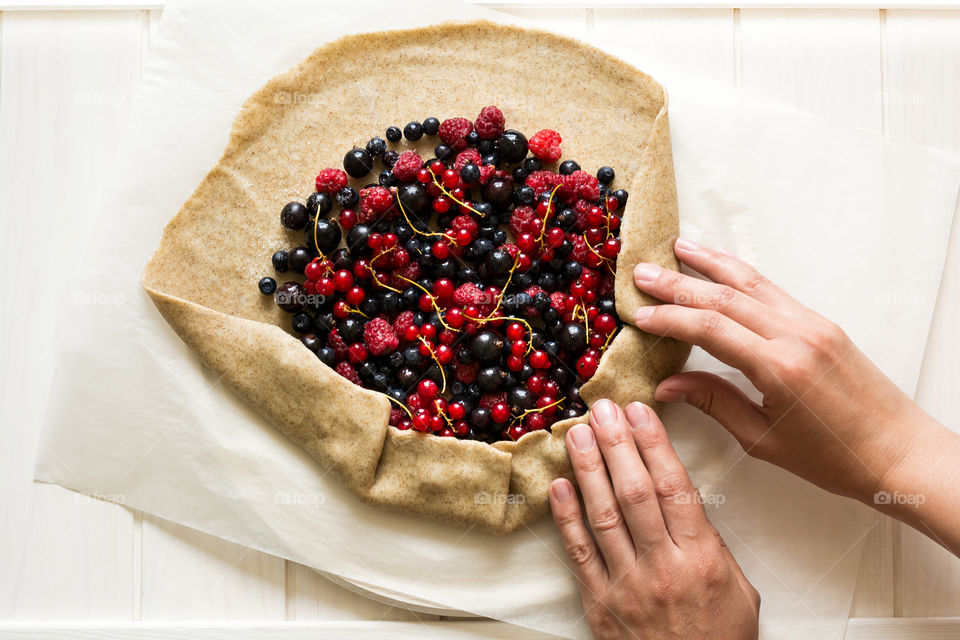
853, 225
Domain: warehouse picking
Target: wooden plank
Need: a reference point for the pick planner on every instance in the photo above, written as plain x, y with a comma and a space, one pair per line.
922, 100
189, 575
826, 62
700, 41
65, 82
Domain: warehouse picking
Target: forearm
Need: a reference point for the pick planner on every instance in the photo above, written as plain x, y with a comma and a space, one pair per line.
923, 489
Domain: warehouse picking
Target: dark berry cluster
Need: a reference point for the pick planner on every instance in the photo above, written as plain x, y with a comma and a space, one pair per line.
474, 289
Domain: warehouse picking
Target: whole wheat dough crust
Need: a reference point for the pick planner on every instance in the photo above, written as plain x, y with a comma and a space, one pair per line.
203, 276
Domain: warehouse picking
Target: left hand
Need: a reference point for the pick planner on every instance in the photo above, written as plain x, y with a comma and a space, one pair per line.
655, 566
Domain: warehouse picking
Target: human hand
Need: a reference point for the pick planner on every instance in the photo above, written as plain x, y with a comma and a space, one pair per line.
828, 415
657, 568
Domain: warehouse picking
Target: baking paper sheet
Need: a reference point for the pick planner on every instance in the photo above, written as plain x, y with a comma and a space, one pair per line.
853, 225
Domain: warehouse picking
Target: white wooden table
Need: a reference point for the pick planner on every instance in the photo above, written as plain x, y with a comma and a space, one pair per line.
71, 566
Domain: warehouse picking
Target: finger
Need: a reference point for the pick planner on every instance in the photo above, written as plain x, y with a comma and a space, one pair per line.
718, 398
682, 510
720, 336
632, 485
584, 556
603, 513
731, 271
671, 286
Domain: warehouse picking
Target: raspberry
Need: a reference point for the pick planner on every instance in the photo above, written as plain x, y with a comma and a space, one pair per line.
588, 187
580, 249
402, 322
487, 400
490, 123
463, 221
407, 165
512, 249
331, 180
486, 172
374, 201
465, 157
379, 337
469, 293
568, 188
607, 283
453, 132
519, 219
467, 373
545, 145
558, 300
412, 271
534, 290
396, 416
541, 181
347, 371
335, 342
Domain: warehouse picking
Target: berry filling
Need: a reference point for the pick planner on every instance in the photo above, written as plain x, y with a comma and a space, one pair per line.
474, 289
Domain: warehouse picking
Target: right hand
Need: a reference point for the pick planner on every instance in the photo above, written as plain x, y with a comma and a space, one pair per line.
829, 415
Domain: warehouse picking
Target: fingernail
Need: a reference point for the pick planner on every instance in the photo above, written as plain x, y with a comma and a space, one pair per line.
686, 245
562, 491
642, 314
638, 415
604, 412
582, 437
646, 272
670, 395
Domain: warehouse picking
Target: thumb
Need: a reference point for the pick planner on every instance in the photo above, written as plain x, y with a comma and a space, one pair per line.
718, 398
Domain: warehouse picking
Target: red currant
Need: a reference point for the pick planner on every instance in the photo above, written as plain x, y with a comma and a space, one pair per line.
457, 411
516, 331
443, 288
421, 420
357, 353
516, 432
539, 360
355, 296
343, 280
348, 219
500, 412
427, 388
586, 366
535, 421
610, 248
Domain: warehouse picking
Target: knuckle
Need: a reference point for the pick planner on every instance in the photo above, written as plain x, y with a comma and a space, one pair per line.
711, 324
672, 280
634, 494
671, 485
581, 553
711, 570
606, 518
568, 519
754, 281
724, 298
591, 464
615, 436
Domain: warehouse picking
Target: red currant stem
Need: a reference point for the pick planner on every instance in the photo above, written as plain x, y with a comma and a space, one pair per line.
503, 291
592, 250
353, 310
609, 338
546, 215
433, 356
413, 227
606, 209
433, 302
400, 404
537, 410
322, 259
585, 318
374, 273
445, 192
316, 245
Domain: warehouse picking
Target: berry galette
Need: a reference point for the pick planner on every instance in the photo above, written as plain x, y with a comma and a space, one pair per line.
428, 310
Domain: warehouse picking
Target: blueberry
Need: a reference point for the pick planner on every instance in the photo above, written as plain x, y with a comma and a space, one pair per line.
390, 301
357, 162
486, 147
389, 158
319, 204
512, 146
302, 323
607, 305
490, 158
490, 378
414, 198
532, 164
327, 356
524, 195
605, 175
290, 296
342, 259
567, 167
621, 196
407, 377
279, 260
486, 346
572, 270
294, 216
267, 286
299, 258
386, 178
541, 302
519, 173
413, 131
357, 239
520, 399
348, 197
351, 330
473, 138
376, 146
443, 151
469, 173
394, 134
310, 341
431, 126
565, 219
499, 262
